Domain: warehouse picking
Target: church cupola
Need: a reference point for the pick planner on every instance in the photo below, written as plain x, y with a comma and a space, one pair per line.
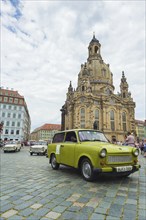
94, 49
124, 86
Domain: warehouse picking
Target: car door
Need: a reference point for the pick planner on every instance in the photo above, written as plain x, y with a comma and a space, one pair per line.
67, 149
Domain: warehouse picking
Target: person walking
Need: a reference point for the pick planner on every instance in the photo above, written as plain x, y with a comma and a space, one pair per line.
130, 141
144, 148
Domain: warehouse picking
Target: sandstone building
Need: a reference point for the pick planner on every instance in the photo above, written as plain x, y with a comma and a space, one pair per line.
93, 103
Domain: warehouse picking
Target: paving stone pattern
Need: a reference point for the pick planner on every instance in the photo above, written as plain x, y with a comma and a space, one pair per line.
31, 190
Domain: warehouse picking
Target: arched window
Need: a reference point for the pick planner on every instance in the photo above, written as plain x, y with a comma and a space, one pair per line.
96, 49
97, 118
124, 121
83, 88
112, 120
82, 118
104, 73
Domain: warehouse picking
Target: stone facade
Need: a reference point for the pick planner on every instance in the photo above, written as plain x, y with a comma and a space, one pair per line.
93, 103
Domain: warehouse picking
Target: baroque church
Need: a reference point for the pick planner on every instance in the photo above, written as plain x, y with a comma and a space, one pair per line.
93, 104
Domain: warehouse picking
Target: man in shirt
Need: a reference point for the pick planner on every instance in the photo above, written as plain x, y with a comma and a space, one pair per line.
130, 140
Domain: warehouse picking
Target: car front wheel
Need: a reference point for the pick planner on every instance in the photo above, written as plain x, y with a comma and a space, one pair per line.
87, 170
54, 163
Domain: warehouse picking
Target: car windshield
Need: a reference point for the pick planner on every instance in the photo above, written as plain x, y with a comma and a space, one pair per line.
11, 142
92, 136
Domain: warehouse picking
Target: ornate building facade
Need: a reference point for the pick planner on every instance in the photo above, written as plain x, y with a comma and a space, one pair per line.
93, 103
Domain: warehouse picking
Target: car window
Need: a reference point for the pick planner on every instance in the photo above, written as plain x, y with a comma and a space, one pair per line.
92, 136
58, 138
71, 136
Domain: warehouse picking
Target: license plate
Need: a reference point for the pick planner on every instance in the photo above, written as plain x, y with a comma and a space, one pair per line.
124, 169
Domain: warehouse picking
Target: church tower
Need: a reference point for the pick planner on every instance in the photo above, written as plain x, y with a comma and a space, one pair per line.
93, 103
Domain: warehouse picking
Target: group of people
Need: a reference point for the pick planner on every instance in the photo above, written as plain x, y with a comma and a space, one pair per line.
130, 141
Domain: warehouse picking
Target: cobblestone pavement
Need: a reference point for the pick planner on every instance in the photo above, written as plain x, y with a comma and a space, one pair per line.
31, 190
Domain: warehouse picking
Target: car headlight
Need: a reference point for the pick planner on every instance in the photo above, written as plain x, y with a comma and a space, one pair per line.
136, 152
103, 153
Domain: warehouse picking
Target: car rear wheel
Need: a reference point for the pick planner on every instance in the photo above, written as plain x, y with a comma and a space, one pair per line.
54, 163
31, 154
87, 170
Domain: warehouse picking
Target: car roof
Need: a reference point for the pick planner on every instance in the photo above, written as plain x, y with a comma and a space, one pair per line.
79, 129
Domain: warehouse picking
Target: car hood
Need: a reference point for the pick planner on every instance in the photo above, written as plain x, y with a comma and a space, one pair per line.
111, 148
10, 145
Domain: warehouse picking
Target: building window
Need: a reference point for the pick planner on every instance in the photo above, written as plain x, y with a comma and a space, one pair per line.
3, 114
10, 100
12, 131
124, 121
82, 117
20, 101
17, 132
96, 49
5, 99
104, 73
112, 120
9, 115
6, 131
18, 124
97, 118
15, 101
14, 115
4, 106
10, 106
7, 123
19, 116
13, 123
83, 88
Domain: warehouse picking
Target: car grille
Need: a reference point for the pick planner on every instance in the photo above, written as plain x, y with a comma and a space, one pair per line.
36, 149
120, 159
9, 148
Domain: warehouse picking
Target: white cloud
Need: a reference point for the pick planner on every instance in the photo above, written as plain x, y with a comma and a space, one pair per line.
42, 49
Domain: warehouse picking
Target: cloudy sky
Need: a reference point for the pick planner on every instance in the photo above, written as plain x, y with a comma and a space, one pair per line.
44, 43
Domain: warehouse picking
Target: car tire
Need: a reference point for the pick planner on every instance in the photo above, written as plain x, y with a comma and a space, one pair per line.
31, 154
54, 164
87, 170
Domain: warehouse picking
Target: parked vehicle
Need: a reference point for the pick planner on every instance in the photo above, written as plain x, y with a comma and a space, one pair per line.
39, 148
89, 150
12, 146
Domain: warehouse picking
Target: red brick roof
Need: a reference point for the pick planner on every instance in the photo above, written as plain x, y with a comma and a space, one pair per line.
139, 122
50, 127
12, 93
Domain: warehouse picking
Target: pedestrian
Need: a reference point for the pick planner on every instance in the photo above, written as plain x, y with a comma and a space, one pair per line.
141, 146
144, 148
130, 140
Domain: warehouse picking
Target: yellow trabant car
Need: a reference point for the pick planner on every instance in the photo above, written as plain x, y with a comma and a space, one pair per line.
89, 150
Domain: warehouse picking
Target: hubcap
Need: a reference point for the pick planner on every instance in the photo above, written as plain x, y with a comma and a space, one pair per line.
53, 161
86, 170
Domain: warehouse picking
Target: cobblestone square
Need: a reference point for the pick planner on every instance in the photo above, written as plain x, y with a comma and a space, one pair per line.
31, 190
